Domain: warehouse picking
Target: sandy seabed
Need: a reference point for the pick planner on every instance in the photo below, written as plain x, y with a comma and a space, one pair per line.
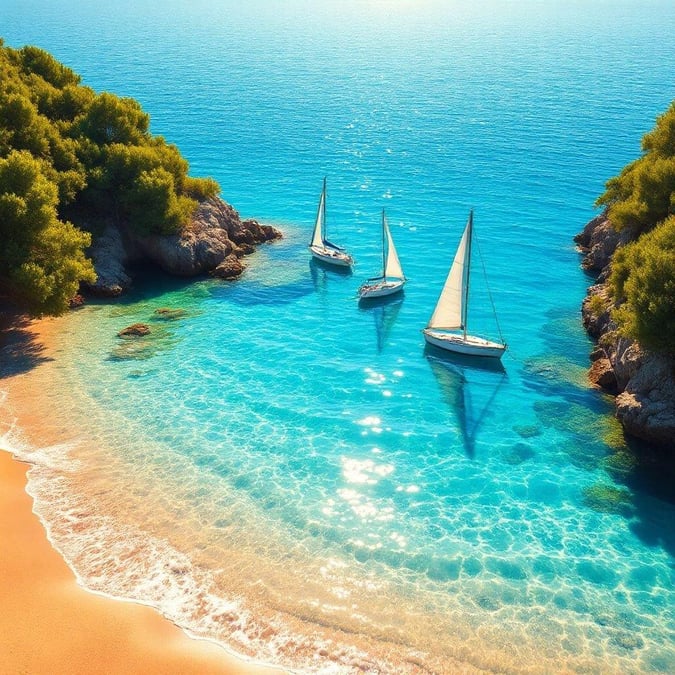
50, 624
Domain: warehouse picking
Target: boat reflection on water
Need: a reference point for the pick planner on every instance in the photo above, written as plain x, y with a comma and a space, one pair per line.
469, 386
385, 311
322, 272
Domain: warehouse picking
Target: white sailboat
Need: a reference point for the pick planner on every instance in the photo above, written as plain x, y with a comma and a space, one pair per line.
447, 327
392, 278
321, 248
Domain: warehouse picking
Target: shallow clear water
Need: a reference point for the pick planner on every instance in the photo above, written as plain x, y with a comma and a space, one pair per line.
295, 475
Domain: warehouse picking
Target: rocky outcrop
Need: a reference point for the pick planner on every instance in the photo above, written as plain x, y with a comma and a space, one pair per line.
110, 258
230, 268
646, 406
598, 241
215, 234
644, 382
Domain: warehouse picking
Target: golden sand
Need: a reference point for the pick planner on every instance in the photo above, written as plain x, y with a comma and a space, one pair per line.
50, 624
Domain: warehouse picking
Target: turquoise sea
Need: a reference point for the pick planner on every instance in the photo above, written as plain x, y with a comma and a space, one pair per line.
296, 476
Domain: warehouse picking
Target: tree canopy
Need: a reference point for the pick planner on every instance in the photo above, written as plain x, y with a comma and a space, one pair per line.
642, 281
42, 259
643, 194
643, 275
71, 155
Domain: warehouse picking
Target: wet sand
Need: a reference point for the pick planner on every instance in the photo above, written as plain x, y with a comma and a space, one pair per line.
50, 624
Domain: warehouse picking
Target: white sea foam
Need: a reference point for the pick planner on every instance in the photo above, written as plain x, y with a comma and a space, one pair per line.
125, 563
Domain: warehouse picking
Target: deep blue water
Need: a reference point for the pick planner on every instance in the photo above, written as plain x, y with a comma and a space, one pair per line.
369, 485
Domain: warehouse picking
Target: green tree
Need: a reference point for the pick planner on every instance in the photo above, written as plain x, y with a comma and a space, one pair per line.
643, 194
110, 119
157, 207
69, 154
42, 259
37, 61
643, 277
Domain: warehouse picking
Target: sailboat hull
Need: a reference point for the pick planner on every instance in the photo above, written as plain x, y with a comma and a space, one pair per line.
380, 289
331, 256
470, 345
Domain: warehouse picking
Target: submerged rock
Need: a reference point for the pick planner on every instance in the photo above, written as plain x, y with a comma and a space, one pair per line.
555, 370
140, 342
140, 350
518, 454
607, 498
527, 430
169, 314
620, 463
627, 641
135, 330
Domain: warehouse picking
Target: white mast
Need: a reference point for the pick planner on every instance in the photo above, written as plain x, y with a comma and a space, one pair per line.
385, 243
466, 272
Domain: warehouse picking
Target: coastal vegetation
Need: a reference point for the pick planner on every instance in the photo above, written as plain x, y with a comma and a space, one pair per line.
72, 160
642, 198
643, 273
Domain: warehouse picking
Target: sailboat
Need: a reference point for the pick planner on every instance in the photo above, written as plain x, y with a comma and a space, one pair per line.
392, 278
447, 327
321, 248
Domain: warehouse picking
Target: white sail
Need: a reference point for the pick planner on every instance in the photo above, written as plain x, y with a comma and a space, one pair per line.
317, 236
393, 265
450, 309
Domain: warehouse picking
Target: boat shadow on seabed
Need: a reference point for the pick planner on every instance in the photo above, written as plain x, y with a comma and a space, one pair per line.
469, 386
385, 312
321, 273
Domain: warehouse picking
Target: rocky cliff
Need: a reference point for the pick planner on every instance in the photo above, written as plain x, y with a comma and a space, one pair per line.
643, 382
214, 242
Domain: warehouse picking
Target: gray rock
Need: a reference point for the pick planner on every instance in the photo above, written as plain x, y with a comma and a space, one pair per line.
598, 241
602, 374
230, 268
645, 407
215, 233
109, 255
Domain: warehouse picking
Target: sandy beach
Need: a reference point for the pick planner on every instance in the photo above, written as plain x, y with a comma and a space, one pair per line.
50, 624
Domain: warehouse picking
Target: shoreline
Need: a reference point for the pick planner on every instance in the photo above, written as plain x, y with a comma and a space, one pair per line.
50, 623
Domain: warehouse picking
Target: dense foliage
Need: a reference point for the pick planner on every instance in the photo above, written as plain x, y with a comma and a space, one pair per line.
643, 273
643, 194
70, 154
642, 197
42, 259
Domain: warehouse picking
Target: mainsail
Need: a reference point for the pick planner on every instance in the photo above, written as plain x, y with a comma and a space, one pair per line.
319, 224
392, 265
450, 312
